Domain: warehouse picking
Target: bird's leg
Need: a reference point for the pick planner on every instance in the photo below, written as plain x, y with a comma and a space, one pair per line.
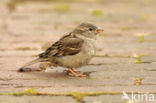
71, 72
67, 71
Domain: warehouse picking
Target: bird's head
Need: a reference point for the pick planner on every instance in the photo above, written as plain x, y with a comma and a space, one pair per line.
87, 30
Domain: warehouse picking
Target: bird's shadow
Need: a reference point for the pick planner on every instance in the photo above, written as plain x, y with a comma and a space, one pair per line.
48, 75
58, 72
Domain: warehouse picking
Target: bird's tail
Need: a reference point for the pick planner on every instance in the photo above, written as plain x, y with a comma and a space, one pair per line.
24, 69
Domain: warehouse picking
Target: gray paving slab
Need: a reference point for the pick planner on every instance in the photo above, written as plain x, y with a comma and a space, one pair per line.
36, 99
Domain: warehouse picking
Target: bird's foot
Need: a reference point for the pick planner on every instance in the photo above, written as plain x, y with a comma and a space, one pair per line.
74, 73
67, 71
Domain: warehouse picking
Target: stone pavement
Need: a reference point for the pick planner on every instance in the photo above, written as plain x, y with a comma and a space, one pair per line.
125, 61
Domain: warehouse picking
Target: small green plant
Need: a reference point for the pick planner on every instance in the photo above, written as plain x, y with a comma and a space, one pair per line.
28, 91
137, 81
97, 13
137, 59
77, 95
62, 7
125, 28
141, 36
142, 17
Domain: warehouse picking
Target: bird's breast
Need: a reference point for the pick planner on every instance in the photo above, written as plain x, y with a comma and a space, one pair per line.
89, 48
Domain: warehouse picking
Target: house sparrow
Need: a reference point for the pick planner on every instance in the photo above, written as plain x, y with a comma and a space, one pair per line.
72, 51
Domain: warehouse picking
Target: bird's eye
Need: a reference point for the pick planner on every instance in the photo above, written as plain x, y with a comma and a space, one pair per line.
90, 29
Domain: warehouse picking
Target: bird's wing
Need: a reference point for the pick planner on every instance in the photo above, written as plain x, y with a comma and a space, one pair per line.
67, 45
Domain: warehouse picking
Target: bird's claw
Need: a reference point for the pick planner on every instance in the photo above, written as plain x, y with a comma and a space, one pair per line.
74, 73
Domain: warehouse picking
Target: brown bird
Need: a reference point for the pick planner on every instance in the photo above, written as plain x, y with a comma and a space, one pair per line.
72, 51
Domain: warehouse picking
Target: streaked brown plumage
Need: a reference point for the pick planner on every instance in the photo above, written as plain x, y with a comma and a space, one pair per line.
71, 51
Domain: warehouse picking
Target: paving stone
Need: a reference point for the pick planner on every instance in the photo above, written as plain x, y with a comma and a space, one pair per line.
111, 60
36, 99
104, 99
116, 99
148, 59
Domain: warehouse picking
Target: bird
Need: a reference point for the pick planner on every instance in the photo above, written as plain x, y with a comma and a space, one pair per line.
73, 50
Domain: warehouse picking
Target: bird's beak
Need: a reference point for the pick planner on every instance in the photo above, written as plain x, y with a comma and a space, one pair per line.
98, 30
